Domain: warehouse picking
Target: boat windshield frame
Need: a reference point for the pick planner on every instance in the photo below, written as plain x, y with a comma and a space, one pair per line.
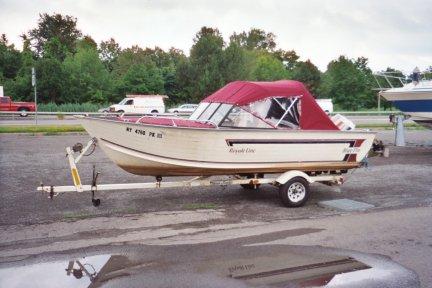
217, 113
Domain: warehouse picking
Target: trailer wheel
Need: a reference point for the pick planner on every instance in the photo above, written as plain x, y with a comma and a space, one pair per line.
23, 112
295, 192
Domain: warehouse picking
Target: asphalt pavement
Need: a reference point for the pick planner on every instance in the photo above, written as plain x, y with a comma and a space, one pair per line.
33, 227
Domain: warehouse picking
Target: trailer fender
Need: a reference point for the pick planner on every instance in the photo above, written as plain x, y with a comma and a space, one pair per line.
285, 177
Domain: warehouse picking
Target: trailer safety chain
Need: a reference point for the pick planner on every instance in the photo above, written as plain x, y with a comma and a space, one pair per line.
93, 148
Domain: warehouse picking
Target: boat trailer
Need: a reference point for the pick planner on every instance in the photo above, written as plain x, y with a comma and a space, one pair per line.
293, 185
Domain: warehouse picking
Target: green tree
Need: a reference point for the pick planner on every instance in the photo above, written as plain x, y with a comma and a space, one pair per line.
86, 42
206, 60
109, 52
171, 85
142, 78
20, 87
51, 80
236, 63
255, 39
348, 82
10, 59
267, 67
64, 28
428, 73
289, 58
54, 48
127, 58
185, 81
309, 74
89, 80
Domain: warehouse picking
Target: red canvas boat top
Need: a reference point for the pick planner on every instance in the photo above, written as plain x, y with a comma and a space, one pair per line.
241, 93
244, 92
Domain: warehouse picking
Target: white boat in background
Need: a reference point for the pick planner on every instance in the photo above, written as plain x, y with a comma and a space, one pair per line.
243, 128
413, 99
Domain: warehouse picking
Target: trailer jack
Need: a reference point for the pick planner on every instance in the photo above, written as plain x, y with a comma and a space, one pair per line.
96, 202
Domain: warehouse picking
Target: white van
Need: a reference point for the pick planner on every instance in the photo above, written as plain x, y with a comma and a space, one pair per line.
140, 104
326, 105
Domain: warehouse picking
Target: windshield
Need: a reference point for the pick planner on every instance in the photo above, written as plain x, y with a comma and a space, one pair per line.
199, 110
123, 101
273, 112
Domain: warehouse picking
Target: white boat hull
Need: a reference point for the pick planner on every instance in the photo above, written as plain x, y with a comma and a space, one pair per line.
160, 151
414, 101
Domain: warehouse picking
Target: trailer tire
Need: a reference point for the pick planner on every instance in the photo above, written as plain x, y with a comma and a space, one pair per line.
295, 192
23, 112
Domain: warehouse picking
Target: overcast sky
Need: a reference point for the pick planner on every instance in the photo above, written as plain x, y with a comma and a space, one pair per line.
388, 32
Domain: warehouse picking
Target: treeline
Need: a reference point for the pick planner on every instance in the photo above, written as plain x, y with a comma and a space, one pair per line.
73, 68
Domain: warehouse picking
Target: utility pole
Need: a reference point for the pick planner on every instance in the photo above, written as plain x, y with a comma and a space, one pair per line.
35, 93
379, 101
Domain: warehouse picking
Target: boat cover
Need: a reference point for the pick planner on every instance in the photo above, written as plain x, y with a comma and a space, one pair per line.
244, 92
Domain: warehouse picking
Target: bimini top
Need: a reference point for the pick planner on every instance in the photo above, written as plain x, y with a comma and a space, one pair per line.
280, 97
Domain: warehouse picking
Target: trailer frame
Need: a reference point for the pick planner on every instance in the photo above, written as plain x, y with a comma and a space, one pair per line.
252, 181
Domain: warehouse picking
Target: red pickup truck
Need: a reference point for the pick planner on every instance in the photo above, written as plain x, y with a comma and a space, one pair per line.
6, 104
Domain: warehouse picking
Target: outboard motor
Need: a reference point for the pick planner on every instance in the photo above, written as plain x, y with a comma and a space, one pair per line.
343, 123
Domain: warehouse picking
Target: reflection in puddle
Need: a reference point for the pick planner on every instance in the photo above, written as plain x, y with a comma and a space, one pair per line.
54, 274
293, 268
314, 273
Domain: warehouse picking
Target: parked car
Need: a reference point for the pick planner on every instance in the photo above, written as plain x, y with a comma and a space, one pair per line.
140, 104
326, 105
185, 108
6, 104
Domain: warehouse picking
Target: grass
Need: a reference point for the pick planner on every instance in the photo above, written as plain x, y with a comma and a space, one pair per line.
46, 129
76, 216
71, 107
196, 206
408, 126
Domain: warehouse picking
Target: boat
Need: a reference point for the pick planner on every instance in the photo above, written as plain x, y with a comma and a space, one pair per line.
243, 128
413, 99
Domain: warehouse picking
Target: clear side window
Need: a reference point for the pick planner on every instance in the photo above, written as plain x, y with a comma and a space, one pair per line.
280, 111
198, 111
129, 102
241, 118
209, 111
220, 113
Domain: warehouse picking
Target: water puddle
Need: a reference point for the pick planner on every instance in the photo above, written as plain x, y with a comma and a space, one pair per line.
283, 267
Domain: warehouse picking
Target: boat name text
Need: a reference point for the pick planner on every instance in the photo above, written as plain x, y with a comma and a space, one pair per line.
241, 150
351, 150
241, 267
